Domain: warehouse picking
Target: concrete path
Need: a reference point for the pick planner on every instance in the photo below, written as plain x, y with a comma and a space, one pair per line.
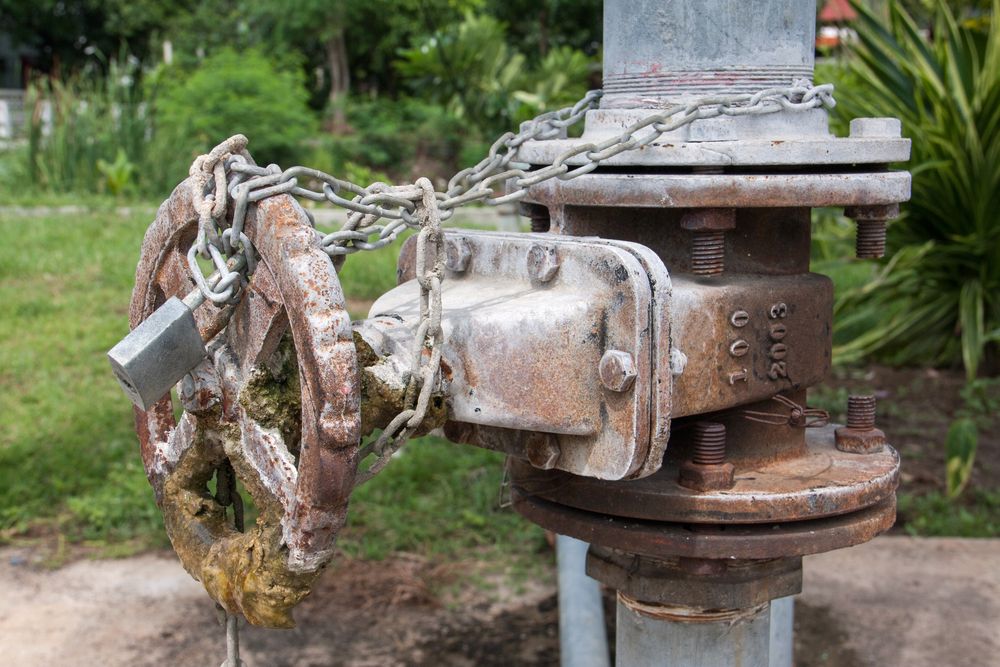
912, 602
896, 602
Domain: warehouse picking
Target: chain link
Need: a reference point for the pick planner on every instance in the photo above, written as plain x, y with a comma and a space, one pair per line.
379, 212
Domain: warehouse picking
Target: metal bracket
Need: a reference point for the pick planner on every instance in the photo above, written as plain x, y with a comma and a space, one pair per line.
558, 335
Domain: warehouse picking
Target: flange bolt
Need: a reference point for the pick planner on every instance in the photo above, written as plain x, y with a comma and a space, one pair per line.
860, 436
708, 238
709, 443
708, 252
707, 469
861, 412
871, 224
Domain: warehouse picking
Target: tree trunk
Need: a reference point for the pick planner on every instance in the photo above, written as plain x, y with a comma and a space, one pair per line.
340, 76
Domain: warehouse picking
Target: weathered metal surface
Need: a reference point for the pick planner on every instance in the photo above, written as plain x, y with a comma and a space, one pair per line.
821, 482
526, 325
721, 583
746, 541
783, 345
765, 242
747, 190
745, 149
658, 52
285, 417
657, 634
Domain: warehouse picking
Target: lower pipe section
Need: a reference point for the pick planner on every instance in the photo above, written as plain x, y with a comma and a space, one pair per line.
782, 632
668, 636
583, 641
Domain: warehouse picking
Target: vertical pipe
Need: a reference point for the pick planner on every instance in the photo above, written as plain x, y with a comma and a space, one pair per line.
672, 49
582, 638
652, 634
782, 632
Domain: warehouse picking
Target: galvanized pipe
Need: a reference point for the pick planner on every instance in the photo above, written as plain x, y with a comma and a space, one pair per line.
582, 638
660, 50
783, 632
653, 634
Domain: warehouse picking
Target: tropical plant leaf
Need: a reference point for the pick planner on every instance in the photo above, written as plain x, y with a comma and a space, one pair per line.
961, 444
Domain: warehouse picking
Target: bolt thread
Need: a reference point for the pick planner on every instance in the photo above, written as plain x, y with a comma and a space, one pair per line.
708, 250
870, 239
861, 412
709, 443
540, 224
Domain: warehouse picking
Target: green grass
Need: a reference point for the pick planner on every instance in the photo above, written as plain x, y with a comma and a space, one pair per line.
69, 459
933, 515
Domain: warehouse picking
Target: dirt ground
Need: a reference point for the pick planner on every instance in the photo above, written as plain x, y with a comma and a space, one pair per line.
895, 602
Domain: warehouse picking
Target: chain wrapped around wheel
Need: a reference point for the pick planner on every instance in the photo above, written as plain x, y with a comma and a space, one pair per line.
277, 399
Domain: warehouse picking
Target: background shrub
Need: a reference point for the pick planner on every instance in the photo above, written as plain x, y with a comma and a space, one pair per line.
936, 299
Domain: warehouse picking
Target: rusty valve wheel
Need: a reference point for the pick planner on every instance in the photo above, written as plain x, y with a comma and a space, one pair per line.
282, 410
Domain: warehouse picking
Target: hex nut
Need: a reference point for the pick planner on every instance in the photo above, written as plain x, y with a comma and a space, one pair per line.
617, 370
458, 253
542, 450
876, 128
706, 477
709, 219
543, 262
859, 441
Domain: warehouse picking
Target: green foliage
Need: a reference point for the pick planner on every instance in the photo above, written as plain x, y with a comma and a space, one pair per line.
117, 175
938, 297
436, 498
93, 118
231, 93
397, 140
960, 448
935, 515
64, 430
472, 70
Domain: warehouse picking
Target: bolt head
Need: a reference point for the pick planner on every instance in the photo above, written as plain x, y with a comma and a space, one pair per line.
543, 262
706, 477
859, 441
458, 253
617, 370
542, 450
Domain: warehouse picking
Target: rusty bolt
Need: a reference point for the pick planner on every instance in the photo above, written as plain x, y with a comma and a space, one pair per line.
541, 221
860, 435
542, 450
871, 224
708, 242
457, 255
707, 469
617, 370
739, 319
739, 348
543, 262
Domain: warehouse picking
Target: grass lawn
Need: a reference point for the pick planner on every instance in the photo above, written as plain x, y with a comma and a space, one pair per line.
69, 461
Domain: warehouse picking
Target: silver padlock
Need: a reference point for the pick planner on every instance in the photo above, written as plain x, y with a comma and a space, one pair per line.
155, 355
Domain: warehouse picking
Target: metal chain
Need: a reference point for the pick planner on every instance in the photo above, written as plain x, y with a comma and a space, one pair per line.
379, 212
226, 494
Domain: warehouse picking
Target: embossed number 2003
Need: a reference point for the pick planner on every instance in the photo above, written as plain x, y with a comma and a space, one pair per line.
778, 350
